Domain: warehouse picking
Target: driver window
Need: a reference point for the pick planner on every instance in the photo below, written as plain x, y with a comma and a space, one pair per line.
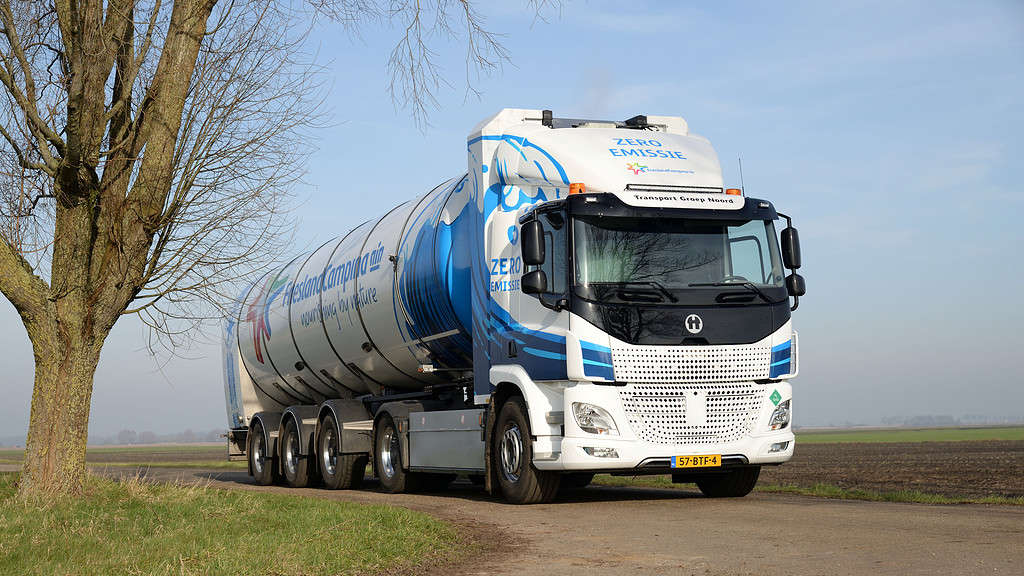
749, 255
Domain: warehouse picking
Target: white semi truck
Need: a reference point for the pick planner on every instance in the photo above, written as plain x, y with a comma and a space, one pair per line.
587, 298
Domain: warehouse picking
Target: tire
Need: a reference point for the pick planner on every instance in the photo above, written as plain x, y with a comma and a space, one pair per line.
512, 452
339, 471
576, 480
734, 484
261, 462
294, 465
387, 458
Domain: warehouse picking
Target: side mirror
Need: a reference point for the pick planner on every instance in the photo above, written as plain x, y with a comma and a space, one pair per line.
795, 285
535, 282
533, 244
790, 248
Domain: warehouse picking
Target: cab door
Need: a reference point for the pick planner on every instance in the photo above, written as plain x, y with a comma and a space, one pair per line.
540, 321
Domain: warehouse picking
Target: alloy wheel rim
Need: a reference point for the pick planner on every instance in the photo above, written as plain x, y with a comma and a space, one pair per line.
330, 452
511, 453
389, 452
257, 451
291, 454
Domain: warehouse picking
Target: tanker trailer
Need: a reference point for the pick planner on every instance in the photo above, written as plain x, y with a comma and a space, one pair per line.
586, 298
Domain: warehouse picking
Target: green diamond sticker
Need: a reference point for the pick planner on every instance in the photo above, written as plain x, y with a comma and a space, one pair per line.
775, 397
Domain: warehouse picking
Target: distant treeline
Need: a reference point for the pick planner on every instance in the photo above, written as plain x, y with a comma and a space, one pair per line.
149, 437
133, 437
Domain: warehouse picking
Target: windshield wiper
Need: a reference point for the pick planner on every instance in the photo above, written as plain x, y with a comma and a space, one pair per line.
656, 285
748, 285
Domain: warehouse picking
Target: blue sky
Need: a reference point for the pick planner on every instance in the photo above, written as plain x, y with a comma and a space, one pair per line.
887, 130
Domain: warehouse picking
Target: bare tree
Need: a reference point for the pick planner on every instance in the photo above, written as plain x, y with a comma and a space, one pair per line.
148, 149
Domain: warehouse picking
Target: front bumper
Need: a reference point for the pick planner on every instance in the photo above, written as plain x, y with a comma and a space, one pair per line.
569, 454
575, 450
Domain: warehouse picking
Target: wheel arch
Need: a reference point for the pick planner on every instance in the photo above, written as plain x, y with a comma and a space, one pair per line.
513, 380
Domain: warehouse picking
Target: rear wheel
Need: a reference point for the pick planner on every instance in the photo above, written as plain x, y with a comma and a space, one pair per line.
732, 484
520, 482
296, 466
260, 461
387, 451
339, 471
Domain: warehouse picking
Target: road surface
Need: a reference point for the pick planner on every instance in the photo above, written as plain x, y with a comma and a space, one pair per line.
613, 531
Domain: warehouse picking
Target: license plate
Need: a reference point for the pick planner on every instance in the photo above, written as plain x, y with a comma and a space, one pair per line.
704, 461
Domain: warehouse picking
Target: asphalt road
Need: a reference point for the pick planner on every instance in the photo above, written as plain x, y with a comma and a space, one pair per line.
605, 530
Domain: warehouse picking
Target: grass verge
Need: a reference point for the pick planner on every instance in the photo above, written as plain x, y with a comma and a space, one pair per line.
133, 527
820, 491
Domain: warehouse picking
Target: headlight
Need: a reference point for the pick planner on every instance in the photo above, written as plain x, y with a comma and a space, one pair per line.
594, 419
780, 417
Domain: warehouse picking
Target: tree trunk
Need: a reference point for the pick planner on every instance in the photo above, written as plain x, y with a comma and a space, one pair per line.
59, 422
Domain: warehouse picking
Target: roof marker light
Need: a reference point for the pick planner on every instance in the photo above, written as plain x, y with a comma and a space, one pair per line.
734, 191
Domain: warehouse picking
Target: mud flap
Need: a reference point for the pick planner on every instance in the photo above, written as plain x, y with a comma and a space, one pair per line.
490, 474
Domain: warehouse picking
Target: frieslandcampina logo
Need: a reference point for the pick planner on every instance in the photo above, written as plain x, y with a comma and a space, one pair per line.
636, 168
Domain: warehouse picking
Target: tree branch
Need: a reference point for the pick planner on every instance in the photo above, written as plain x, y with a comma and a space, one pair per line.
19, 284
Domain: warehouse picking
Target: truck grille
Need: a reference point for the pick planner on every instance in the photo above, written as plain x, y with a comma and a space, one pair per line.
691, 364
719, 413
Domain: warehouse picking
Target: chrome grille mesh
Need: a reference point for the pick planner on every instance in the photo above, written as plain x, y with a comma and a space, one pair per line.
691, 364
717, 413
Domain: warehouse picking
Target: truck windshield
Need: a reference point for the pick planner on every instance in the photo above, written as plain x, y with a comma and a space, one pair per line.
654, 260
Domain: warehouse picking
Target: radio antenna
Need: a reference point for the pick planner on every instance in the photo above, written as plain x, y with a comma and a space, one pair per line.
742, 187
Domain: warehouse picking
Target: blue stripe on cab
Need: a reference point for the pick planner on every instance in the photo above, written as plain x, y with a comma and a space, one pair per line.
544, 353
781, 359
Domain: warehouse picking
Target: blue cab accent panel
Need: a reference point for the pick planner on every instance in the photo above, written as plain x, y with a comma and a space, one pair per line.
597, 361
781, 356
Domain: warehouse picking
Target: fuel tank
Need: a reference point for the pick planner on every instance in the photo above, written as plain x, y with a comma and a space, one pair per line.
362, 313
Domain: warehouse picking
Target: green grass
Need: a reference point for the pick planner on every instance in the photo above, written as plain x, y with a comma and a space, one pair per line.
133, 527
912, 435
819, 490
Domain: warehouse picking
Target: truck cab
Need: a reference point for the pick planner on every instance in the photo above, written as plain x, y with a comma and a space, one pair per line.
641, 308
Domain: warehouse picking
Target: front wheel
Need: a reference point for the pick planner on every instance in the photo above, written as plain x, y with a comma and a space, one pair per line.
733, 484
512, 451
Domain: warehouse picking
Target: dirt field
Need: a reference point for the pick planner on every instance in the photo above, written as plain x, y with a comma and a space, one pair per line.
975, 468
